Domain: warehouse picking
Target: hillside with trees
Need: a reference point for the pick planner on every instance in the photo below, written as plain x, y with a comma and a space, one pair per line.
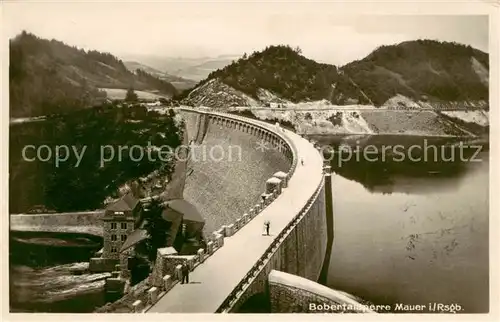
99, 132
50, 77
422, 70
281, 70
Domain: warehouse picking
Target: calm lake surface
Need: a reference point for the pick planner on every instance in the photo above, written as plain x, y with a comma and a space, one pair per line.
412, 233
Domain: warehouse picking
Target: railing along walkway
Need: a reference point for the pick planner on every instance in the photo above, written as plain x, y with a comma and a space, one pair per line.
212, 282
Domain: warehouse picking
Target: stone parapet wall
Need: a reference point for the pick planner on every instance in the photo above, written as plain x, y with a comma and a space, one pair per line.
298, 249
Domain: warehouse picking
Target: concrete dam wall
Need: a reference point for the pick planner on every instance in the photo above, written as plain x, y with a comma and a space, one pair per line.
230, 160
232, 272
227, 172
299, 250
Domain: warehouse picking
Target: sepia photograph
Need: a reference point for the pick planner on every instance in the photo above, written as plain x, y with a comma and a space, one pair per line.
170, 157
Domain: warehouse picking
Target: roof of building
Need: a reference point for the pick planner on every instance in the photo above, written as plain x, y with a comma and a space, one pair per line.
133, 238
126, 203
176, 211
185, 208
171, 215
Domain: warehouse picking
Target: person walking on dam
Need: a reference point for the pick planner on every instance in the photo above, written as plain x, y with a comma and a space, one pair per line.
185, 273
267, 224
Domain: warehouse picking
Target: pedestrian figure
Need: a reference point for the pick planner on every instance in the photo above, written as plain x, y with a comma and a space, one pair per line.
267, 224
302, 161
185, 273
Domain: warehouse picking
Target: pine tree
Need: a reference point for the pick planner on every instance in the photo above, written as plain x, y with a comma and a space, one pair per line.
156, 227
131, 96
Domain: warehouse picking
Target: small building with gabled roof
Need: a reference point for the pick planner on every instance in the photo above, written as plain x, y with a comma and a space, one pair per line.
182, 212
120, 219
185, 220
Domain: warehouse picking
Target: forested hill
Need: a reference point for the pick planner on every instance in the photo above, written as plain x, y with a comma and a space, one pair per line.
281, 70
421, 70
48, 76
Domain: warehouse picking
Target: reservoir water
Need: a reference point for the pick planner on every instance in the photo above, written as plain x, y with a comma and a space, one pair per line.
412, 233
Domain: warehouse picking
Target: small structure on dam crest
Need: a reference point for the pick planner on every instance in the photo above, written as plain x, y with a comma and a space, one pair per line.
283, 177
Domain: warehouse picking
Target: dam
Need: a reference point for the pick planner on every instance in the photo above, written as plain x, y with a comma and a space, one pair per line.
284, 184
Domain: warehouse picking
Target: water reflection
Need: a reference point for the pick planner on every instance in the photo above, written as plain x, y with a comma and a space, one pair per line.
411, 232
442, 162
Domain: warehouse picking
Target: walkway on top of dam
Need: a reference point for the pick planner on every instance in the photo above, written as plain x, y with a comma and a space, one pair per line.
213, 280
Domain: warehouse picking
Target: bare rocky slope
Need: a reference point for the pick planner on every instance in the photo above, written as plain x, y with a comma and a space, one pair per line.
339, 120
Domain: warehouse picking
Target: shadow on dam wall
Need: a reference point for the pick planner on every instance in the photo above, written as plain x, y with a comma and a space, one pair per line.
226, 186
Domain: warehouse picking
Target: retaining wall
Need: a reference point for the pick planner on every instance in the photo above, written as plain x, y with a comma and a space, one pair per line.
293, 294
70, 222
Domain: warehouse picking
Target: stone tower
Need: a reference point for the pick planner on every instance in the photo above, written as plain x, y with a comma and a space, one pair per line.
119, 221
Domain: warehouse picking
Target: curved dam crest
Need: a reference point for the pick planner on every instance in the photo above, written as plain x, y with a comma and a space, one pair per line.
297, 244
225, 192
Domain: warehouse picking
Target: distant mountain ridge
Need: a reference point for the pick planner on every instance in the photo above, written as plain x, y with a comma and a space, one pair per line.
188, 68
178, 82
204, 68
421, 73
48, 76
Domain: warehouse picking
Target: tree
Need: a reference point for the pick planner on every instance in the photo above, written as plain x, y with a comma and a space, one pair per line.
131, 96
156, 227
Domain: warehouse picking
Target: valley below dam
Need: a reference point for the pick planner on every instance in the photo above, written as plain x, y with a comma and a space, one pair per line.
49, 273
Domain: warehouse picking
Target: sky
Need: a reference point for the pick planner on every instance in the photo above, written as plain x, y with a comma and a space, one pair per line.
198, 30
